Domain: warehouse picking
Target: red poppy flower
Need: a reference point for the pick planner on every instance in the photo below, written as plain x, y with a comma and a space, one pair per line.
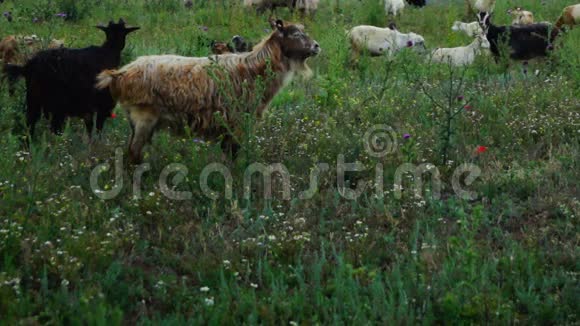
113, 115
481, 149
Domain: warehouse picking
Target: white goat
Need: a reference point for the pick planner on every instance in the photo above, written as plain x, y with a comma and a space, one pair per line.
380, 41
479, 7
471, 29
520, 16
308, 6
394, 6
463, 55
484, 5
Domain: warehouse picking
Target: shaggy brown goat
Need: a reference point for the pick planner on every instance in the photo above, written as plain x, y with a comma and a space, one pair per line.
18, 49
8, 49
207, 94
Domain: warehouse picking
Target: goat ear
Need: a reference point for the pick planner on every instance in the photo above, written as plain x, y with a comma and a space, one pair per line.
102, 27
131, 29
486, 22
277, 25
280, 25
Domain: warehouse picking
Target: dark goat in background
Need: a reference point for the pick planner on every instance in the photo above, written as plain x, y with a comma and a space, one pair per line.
241, 45
60, 83
523, 42
238, 45
417, 3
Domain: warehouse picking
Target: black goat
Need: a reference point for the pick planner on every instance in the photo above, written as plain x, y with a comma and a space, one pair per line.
523, 42
60, 83
241, 45
273, 4
417, 3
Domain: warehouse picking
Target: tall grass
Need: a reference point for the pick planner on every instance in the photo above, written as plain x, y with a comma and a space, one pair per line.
508, 256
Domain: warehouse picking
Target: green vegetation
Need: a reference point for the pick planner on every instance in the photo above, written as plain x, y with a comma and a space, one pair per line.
508, 256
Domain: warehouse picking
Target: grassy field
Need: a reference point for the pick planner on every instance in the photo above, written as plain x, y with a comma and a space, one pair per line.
506, 255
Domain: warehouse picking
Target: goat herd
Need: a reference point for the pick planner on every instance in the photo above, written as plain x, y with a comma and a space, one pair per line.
206, 94
524, 39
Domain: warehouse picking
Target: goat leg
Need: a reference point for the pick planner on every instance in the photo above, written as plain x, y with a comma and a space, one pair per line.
101, 118
32, 117
143, 122
56, 123
89, 125
230, 146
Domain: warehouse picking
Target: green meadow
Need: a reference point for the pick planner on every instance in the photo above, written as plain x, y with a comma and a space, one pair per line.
488, 234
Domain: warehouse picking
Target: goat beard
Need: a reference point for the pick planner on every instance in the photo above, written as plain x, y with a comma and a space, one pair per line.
301, 69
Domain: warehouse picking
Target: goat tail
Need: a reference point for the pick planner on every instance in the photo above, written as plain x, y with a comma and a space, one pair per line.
105, 79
